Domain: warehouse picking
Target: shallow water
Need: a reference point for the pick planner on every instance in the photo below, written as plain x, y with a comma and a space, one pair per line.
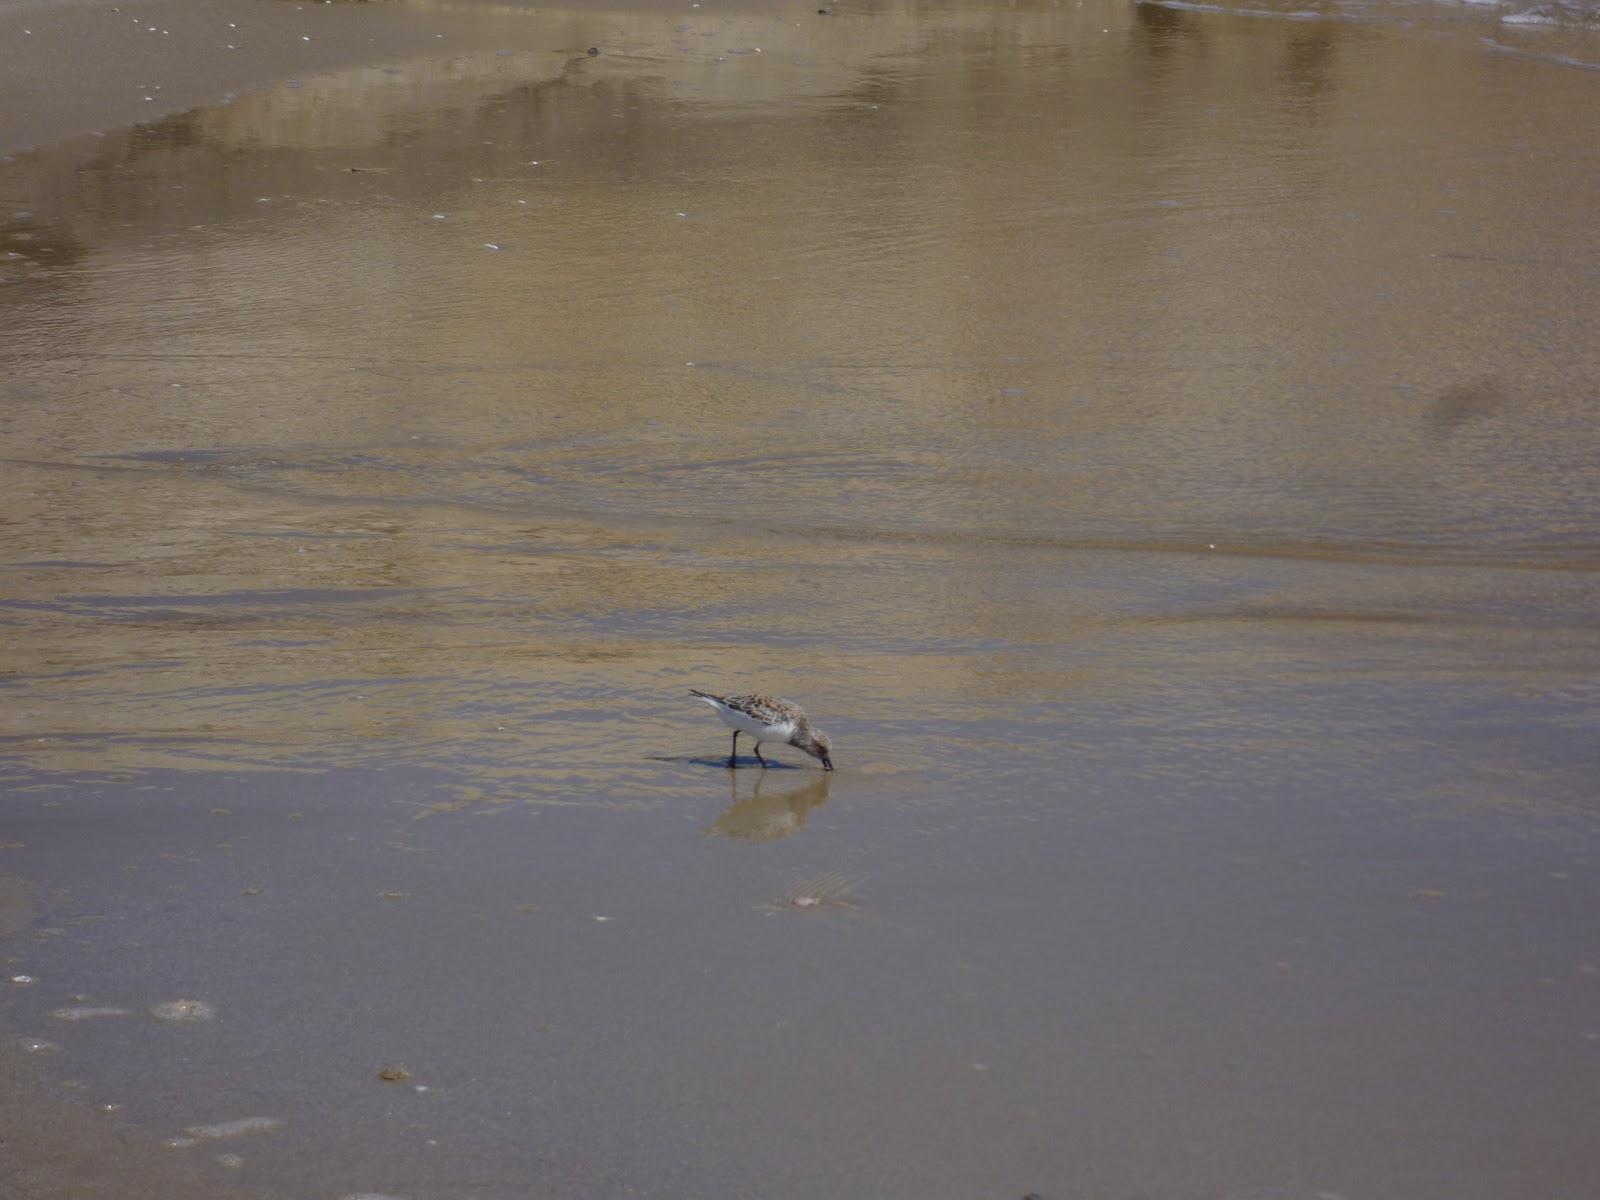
1160, 445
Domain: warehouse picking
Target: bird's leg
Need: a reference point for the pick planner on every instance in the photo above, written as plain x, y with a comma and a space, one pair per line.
733, 755
759, 759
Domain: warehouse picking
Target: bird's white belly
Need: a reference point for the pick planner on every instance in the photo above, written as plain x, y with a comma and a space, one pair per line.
762, 732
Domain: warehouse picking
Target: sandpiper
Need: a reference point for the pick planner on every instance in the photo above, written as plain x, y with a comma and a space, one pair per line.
768, 719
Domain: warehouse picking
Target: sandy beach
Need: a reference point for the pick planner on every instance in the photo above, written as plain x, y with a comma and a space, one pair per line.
1155, 441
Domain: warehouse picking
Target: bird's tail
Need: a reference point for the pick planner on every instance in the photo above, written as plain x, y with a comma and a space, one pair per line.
703, 695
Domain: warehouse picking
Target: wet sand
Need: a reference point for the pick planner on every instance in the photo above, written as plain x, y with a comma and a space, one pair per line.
1155, 443
52, 1149
54, 1146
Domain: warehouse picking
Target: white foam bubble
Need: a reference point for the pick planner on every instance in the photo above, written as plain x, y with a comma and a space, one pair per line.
228, 1129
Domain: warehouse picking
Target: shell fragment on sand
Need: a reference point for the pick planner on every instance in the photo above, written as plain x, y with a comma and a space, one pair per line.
84, 1012
228, 1129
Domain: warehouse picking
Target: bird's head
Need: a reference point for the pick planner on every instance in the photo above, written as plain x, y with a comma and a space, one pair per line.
815, 743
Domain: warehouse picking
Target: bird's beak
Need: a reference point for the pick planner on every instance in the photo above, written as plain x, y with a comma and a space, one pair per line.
827, 763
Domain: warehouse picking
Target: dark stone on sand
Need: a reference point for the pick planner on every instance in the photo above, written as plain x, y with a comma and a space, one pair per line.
593, 50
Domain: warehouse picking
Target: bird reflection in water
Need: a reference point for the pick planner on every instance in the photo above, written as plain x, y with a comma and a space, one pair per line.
765, 811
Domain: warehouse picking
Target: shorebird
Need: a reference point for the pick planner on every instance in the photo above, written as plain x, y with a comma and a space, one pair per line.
768, 719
